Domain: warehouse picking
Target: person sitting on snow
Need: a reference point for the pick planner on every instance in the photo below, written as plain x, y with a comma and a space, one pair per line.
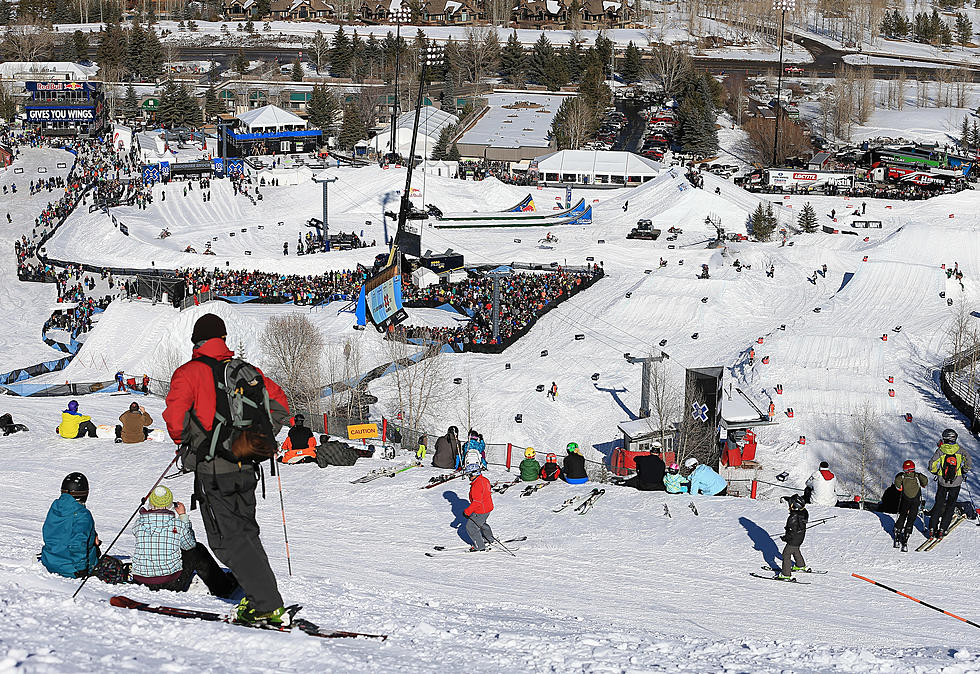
550, 470
167, 555
530, 468
300, 445
574, 465
75, 425
71, 546
474, 451
704, 480
133, 424
821, 487
674, 482
650, 471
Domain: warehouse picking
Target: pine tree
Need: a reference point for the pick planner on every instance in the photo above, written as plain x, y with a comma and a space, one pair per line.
8, 105
975, 134
263, 8
6, 12
454, 153
573, 59
632, 66
355, 69
352, 129
340, 54
152, 63
212, 104
542, 61
69, 51
763, 222
807, 220
131, 103
241, 62
80, 41
965, 132
440, 149
61, 12
513, 60
322, 108
296, 74
604, 52
135, 42
111, 51
964, 29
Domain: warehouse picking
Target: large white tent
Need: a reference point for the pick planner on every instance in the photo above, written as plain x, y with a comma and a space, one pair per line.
431, 123
596, 168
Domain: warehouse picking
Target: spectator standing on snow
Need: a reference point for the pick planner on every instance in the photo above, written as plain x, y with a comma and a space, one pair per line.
794, 536
949, 464
910, 484
821, 487
479, 509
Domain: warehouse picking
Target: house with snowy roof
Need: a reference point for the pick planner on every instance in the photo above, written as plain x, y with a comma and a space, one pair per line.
540, 14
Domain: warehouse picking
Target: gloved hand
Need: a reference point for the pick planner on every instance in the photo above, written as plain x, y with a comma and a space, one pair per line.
782, 538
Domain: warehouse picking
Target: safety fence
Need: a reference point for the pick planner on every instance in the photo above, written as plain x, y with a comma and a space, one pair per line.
960, 382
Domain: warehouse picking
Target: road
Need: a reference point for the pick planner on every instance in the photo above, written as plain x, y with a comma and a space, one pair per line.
630, 138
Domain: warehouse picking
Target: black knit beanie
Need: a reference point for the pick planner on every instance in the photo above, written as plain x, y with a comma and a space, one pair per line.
208, 327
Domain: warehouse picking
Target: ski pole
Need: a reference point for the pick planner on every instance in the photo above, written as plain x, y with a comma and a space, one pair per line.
128, 522
816, 523
497, 541
282, 507
917, 601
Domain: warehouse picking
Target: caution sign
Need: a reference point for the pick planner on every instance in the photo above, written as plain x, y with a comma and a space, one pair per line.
362, 431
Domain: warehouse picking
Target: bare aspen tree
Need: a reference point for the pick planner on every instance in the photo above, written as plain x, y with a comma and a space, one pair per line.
900, 90
419, 380
670, 65
666, 401
695, 437
865, 96
866, 435
293, 350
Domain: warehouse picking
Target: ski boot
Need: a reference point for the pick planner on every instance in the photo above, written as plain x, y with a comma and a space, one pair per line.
905, 545
786, 579
801, 569
896, 542
280, 617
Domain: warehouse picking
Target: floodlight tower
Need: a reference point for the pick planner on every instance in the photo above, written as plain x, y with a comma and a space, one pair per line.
399, 16
782, 6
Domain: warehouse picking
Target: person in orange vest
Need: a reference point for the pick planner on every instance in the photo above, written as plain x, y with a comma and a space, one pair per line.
300, 445
752, 356
772, 409
553, 392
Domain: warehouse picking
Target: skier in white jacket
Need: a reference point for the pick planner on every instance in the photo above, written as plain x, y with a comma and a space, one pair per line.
821, 487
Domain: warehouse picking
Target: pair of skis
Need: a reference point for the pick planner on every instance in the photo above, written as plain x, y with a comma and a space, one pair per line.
930, 543
501, 487
531, 488
785, 580
442, 549
391, 471
300, 624
694, 509
440, 479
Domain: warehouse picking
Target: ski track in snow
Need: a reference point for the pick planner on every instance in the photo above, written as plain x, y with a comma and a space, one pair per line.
622, 589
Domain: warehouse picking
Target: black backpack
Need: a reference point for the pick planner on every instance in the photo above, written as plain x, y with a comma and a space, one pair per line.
947, 469
242, 428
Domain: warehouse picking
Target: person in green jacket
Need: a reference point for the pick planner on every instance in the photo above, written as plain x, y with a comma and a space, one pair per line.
949, 464
530, 468
910, 483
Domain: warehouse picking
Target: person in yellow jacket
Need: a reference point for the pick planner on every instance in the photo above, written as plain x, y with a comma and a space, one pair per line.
74, 424
949, 464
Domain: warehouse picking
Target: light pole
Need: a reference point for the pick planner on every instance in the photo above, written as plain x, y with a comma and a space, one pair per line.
782, 6
399, 16
326, 201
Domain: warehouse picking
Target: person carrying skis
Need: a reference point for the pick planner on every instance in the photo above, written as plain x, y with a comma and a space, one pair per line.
529, 467
910, 484
447, 449
133, 424
226, 487
795, 533
167, 555
573, 466
74, 424
949, 464
704, 480
674, 483
821, 487
550, 470
480, 507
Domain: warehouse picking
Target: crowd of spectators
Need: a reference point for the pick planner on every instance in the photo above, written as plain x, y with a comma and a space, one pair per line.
305, 290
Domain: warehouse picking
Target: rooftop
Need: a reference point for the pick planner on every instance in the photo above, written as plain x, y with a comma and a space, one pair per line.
515, 120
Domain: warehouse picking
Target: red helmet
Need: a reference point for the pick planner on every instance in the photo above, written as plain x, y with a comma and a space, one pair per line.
552, 458
908, 465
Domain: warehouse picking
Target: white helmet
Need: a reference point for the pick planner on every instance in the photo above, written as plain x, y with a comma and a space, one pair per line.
690, 462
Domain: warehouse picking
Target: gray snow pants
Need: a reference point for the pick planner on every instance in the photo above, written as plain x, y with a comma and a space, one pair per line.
478, 530
228, 510
791, 553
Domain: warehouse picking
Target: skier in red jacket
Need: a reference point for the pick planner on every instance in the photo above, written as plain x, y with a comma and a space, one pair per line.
226, 489
481, 505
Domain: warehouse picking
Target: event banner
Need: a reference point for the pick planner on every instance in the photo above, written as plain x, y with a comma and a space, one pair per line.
61, 114
384, 297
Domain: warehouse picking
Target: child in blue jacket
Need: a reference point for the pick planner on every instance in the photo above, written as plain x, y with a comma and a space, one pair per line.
71, 546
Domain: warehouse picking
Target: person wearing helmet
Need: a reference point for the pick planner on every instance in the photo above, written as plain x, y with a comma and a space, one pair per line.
474, 451
821, 487
674, 482
550, 470
71, 545
480, 507
133, 424
909, 484
74, 424
704, 480
447, 449
300, 445
530, 468
650, 470
795, 533
167, 555
949, 464
573, 466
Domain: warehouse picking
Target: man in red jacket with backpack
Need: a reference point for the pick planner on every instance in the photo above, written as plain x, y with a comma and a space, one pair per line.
225, 481
481, 505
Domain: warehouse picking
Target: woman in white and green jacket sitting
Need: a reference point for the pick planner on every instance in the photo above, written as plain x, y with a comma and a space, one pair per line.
167, 554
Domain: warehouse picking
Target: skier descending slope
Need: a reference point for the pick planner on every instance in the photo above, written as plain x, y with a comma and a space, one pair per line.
949, 464
795, 533
480, 507
910, 484
199, 417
